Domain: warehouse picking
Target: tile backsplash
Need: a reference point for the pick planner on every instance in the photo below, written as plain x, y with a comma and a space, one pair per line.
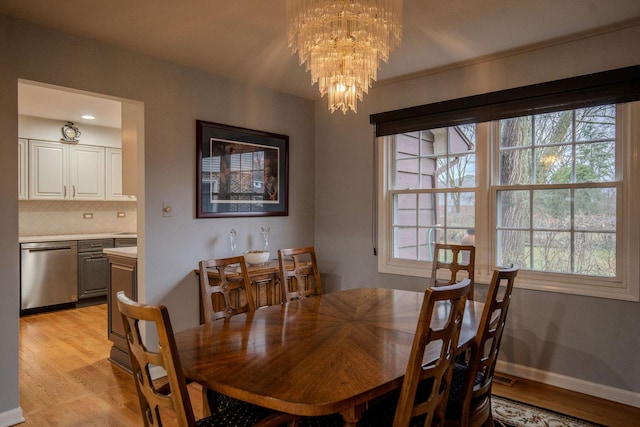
54, 217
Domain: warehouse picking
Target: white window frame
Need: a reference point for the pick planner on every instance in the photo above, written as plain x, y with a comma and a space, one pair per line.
625, 287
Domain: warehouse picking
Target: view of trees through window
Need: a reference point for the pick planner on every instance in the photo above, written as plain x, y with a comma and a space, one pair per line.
557, 192
555, 188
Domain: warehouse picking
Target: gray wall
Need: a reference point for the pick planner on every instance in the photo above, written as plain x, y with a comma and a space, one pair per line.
174, 97
582, 343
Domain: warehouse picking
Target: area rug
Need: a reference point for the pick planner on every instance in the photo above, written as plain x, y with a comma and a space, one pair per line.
509, 413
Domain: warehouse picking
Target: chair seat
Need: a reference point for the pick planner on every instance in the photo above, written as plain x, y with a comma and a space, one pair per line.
333, 420
454, 403
238, 414
383, 413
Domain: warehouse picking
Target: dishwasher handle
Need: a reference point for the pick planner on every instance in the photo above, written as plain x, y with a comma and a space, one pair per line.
50, 248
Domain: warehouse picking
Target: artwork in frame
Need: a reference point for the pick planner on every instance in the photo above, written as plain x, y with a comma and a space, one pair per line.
240, 172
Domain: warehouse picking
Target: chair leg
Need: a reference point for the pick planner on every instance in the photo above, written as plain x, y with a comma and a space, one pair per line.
206, 410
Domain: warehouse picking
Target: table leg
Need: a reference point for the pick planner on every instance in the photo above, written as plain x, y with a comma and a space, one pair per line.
351, 416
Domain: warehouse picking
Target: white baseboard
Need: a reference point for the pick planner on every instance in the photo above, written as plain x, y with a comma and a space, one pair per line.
11, 417
569, 383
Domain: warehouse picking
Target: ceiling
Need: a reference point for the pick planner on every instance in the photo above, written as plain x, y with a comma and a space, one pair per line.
246, 39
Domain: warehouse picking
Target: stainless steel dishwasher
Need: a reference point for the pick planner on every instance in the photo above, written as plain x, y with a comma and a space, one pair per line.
49, 274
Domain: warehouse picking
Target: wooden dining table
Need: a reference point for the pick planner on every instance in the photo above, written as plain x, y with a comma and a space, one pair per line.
315, 356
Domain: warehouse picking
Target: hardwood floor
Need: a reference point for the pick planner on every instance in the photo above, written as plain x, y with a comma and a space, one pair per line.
66, 379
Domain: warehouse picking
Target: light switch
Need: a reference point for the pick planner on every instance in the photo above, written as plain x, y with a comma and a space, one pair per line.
167, 210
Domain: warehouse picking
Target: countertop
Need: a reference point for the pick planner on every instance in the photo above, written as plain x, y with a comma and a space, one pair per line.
63, 237
127, 252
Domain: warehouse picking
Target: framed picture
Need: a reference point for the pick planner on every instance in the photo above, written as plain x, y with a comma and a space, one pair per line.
240, 172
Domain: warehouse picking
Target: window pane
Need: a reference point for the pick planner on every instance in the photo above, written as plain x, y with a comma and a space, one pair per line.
513, 209
427, 203
461, 210
554, 165
407, 174
595, 209
553, 128
596, 162
515, 167
596, 123
513, 248
595, 254
552, 251
552, 209
405, 210
406, 243
515, 132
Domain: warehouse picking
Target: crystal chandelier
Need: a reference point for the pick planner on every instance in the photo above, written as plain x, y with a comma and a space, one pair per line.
342, 43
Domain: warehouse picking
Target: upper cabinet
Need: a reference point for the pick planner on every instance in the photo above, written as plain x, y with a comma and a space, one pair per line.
66, 172
114, 175
23, 167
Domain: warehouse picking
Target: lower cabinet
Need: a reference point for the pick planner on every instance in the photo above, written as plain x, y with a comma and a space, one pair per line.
93, 269
122, 277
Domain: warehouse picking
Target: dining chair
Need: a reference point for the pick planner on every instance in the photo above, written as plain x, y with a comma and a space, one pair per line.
301, 278
469, 401
423, 397
229, 293
452, 263
172, 396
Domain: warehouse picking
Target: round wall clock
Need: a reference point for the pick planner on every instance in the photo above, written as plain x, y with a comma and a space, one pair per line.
70, 133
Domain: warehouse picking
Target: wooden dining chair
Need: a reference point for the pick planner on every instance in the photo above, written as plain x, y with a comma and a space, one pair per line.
229, 293
300, 278
226, 295
469, 401
423, 397
452, 263
172, 395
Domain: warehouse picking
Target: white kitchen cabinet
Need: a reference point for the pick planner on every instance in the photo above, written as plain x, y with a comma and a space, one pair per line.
23, 168
65, 172
86, 172
114, 175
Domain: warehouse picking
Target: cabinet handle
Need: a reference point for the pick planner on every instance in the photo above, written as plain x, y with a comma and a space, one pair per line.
65, 191
74, 191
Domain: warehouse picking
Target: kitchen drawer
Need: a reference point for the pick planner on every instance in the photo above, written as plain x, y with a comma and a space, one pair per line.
94, 245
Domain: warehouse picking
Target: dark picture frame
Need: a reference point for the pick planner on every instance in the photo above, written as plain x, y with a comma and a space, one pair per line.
240, 172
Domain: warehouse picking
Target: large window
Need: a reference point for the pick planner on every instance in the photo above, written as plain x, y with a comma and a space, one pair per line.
554, 193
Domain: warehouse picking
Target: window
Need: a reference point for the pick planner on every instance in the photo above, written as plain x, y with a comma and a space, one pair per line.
433, 189
554, 193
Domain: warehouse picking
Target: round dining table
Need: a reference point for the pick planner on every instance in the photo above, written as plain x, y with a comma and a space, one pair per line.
318, 355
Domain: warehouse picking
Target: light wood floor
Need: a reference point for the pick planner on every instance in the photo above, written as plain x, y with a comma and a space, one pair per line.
66, 379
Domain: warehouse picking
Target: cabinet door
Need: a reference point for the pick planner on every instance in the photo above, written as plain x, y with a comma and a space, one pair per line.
48, 170
86, 175
114, 175
23, 167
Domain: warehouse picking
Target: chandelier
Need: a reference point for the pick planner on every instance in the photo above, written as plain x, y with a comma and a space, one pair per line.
342, 43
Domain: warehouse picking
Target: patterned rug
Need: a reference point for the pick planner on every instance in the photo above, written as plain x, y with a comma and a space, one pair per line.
509, 413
